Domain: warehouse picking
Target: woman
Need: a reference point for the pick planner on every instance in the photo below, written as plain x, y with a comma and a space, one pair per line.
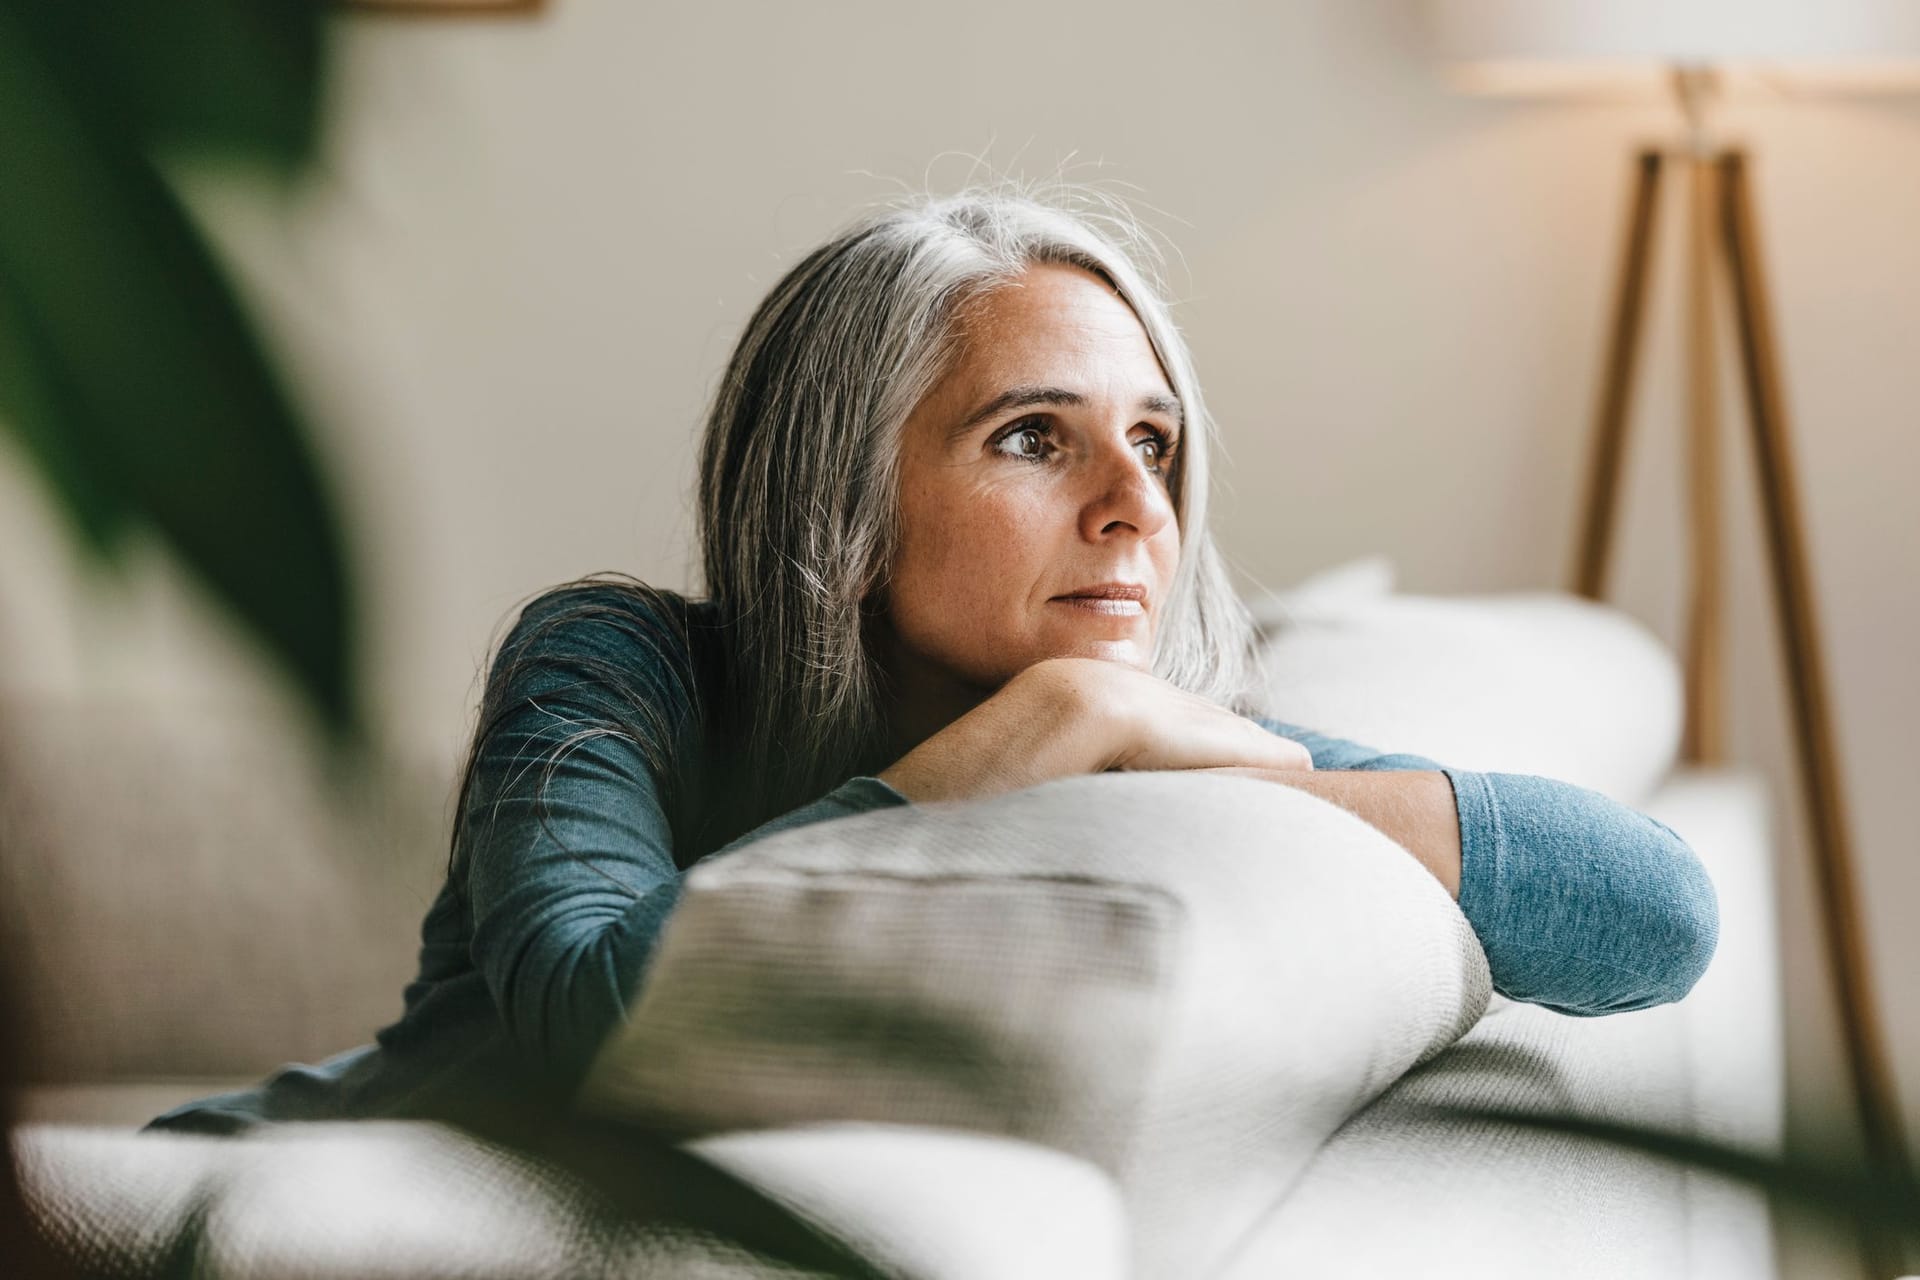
953, 511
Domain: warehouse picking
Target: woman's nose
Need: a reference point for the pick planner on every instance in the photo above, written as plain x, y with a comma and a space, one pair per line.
1124, 495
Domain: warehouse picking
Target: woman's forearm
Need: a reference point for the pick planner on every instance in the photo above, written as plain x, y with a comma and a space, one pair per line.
1413, 807
1032, 730
1582, 904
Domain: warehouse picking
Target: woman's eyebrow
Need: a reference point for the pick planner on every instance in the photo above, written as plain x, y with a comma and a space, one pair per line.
1022, 397
1157, 403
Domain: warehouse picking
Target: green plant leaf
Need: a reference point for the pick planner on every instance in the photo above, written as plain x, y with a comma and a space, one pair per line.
240, 75
160, 385
88, 494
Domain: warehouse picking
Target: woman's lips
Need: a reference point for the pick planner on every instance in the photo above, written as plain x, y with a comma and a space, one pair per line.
1120, 608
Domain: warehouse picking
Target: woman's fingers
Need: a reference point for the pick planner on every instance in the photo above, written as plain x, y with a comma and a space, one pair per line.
1133, 719
1294, 754
1271, 751
1183, 731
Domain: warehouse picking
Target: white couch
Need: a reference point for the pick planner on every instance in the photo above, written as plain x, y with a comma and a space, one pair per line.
1209, 1060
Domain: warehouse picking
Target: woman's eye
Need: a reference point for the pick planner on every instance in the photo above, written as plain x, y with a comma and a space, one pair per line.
1033, 442
1025, 442
1156, 452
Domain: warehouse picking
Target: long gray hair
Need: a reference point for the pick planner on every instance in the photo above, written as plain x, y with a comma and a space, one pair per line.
798, 495
798, 509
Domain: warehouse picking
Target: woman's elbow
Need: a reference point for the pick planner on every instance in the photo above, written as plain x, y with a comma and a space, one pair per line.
1691, 922
1675, 911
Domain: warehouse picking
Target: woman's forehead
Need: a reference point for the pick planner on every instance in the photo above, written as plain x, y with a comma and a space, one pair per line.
1054, 324
1045, 296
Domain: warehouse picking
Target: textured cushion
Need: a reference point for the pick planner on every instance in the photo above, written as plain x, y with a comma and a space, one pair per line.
1401, 1191
359, 1200
1189, 980
1543, 683
939, 1203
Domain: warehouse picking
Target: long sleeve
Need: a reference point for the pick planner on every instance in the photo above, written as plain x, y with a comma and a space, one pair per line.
569, 877
1582, 904
856, 795
569, 890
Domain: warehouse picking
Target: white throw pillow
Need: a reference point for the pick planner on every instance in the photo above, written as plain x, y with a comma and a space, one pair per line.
1191, 980
1543, 683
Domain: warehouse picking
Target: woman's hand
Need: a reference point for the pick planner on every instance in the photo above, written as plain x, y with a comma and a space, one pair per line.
1068, 716
1150, 724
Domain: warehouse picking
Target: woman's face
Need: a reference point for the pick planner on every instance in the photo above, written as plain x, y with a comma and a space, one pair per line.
1038, 469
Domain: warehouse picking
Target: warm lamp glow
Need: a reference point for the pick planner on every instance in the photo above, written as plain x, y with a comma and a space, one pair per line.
1629, 47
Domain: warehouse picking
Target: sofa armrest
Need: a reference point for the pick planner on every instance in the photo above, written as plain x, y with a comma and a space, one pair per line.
1186, 980
1403, 1190
1736, 1048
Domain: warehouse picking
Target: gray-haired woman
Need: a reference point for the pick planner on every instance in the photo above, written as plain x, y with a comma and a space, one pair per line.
953, 518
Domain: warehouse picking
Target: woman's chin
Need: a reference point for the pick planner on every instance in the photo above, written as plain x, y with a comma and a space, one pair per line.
1127, 652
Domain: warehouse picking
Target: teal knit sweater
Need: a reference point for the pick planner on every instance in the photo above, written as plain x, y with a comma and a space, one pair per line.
540, 938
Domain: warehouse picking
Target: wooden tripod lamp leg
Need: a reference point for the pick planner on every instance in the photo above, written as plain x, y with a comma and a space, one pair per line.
1702, 740
1874, 1097
1610, 423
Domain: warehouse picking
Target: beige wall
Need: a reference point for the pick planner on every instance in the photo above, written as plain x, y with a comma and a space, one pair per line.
520, 267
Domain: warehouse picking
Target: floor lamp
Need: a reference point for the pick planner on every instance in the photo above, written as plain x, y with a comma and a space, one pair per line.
1694, 49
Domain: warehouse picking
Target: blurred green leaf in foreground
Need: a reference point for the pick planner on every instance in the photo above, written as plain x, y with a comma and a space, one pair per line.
134, 383
1880, 1206
129, 373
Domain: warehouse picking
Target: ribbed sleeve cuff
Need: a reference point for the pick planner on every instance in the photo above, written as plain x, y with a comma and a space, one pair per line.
1581, 904
864, 793
1482, 857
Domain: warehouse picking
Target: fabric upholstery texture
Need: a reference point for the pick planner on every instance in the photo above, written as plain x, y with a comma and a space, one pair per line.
1400, 1190
1522, 682
1191, 981
368, 1200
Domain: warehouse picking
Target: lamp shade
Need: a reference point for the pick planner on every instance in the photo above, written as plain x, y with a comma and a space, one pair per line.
1560, 46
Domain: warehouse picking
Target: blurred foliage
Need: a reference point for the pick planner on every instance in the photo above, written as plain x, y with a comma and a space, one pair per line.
129, 372
1881, 1206
648, 1178
135, 383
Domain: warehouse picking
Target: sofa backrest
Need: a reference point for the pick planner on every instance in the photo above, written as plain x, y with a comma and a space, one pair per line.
1541, 683
180, 897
